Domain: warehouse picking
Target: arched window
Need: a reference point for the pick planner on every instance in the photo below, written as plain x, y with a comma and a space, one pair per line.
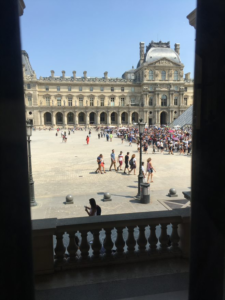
163, 75
150, 101
176, 75
150, 75
164, 100
70, 117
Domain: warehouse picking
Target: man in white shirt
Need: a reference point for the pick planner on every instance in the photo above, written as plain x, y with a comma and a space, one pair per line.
120, 160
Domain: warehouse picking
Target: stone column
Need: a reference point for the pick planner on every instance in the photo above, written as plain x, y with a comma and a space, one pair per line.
87, 118
171, 99
40, 112
53, 118
157, 99
76, 117
108, 117
64, 118
129, 118
98, 117
181, 99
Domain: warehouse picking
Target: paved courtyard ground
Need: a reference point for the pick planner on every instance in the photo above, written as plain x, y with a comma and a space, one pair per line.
60, 169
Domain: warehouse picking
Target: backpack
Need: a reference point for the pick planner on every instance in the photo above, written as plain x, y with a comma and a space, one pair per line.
131, 162
99, 210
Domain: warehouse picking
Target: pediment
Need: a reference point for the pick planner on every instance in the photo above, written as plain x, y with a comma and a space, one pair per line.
164, 62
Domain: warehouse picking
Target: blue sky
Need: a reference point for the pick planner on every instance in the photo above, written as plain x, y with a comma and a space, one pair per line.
102, 35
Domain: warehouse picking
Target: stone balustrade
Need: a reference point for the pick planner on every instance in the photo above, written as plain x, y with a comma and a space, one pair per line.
112, 239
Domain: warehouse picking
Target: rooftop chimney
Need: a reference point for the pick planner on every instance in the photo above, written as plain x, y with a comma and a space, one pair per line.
74, 74
85, 74
52, 73
188, 76
177, 48
106, 75
63, 74
142, 52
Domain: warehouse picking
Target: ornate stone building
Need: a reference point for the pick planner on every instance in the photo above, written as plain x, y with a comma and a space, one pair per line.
156, 91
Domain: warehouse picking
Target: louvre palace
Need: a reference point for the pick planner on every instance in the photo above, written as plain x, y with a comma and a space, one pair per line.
156, 90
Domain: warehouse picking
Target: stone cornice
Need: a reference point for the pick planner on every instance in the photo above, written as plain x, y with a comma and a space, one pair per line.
192, 18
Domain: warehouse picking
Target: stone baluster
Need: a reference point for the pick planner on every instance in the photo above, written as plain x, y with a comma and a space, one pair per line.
153, 239
96, 245
163, 237
72, 248
120, 242
60, 249
108, 244
175, 237
84, 247
131, 242
142, 240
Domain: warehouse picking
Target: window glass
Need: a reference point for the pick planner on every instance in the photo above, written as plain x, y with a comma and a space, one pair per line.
70, 101
80, 101
58, 88
28, 86
150, 101
91, 102
58, 101
164, 100
48, 101
69, 88
122, 89
175, 75
112, 89
150, 75
163, 75
112, 101
47, 88
122, 101
80, 88
132, 101
30, 101
132, 89
101, 89
91, 89
185, 101
176, 101
102, 101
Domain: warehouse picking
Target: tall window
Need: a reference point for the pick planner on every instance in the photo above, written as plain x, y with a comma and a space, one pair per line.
101, 88
122, 101
176, 101
47, 88
58, 88
113, 117
48, 101
70, 101
122, 89
163, 75
112, 101
30, 101
150, 101
112, 89
185, 101
91, 88
176, 88
69, 88
102, 101
185, 89
58, 101
150, 75
91, 102
28, 86
80, 88
132, 101
70, 117
132, 89
164, 100
80, 101
176, 75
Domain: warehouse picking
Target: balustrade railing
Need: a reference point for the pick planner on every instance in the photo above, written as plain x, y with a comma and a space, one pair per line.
110, 239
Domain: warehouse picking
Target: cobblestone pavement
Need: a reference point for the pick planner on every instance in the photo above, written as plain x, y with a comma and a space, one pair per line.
60, 169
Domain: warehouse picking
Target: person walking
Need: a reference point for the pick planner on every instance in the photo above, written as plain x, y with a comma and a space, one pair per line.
150, 169
99, 161
94, 210
113, 160
87, 140
107, 137
120, 161
126, 163
132, 163
111, 136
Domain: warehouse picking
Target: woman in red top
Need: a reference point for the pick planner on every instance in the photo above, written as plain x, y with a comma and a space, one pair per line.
87, 139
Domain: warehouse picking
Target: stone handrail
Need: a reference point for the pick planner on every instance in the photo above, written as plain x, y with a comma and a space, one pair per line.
110, 239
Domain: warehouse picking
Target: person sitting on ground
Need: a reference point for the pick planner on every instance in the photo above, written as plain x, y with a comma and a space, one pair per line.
94, 210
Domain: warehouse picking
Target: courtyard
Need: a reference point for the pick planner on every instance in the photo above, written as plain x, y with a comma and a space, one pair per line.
62, 168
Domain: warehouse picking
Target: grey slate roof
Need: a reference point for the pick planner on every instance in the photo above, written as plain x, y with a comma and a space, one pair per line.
185, 118
26, 62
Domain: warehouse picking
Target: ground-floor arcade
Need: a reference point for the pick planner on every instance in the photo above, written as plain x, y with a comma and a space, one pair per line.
68, 117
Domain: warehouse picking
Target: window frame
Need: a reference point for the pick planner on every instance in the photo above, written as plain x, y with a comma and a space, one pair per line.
163, 75
47, 101
112, 89
122, 101
164, 101
58, 88
101, 89
175, 99
81, 100
122, 89
28, 86
30, 100
59, 99
47, 88
91, 101
80, 88
151, 76
70, 101
150, 101
102, 102
175, 75
69, 88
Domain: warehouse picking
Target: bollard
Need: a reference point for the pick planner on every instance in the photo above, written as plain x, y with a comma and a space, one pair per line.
172, 193
69, 199
145, 193
107, 197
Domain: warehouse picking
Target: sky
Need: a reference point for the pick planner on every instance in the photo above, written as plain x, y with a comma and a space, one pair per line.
102, 35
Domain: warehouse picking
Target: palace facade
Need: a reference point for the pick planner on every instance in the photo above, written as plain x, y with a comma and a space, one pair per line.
156, 91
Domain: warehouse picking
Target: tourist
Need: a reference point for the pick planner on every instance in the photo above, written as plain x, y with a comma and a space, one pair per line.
120, 161
132, 163
145, 148
87, 139
111, 136
99, 161
143, 169
130, 139
89, 133
94, 210
126, 163
102, 165
98, 135
161, 146
113, 160
107, 137
150, 169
